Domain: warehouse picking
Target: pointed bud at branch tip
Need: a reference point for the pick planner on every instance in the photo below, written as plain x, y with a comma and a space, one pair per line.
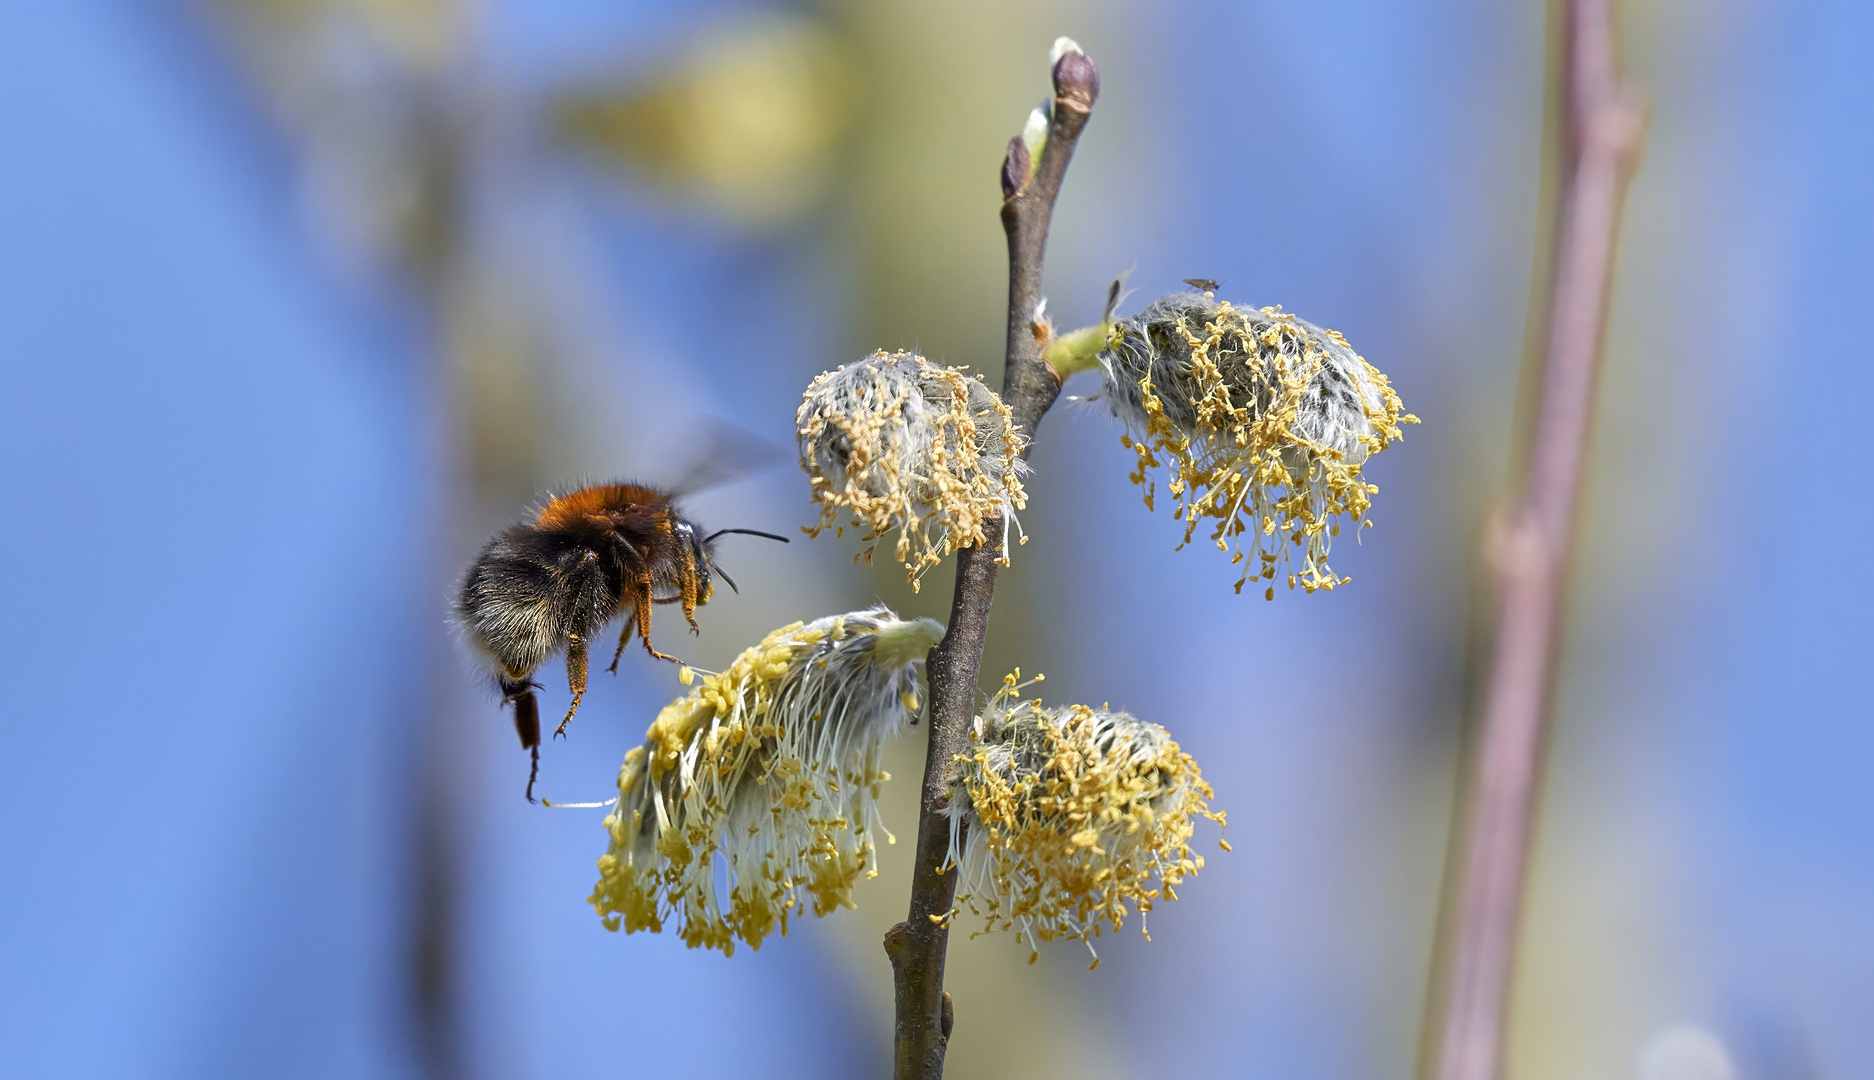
1076, 80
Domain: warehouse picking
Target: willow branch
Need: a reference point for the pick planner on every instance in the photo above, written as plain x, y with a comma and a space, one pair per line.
917, 945
1529, 548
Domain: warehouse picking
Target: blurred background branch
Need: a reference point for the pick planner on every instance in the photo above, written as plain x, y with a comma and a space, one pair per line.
1529, 545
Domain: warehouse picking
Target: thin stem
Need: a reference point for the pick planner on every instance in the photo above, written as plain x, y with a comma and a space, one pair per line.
1077, 350
1529, 549
1029, 387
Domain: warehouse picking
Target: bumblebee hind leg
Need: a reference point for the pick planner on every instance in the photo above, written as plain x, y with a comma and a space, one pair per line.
575, 678
520, 694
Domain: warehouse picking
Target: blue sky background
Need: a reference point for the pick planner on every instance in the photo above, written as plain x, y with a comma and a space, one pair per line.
229, 512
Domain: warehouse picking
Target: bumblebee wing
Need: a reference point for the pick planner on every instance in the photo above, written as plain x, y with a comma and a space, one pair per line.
729, 453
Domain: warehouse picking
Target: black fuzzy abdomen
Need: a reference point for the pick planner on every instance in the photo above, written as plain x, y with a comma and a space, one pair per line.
528, 591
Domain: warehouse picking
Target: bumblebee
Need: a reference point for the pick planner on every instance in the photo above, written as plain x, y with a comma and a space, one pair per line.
552, 584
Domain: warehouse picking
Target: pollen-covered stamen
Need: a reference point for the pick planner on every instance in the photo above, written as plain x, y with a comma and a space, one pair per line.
897, 442
772, 768
1264, 422
1063, 820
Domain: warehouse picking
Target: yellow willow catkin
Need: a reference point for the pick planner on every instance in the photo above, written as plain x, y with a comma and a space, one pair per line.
771, 768
894, 441
1062, 820
1263, 421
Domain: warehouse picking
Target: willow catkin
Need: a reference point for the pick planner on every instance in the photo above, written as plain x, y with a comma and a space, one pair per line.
895, 442
1263, 421
771, 767
1065, 819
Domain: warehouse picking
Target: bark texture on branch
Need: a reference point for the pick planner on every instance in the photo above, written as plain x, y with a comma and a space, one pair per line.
1528, 549
917, 946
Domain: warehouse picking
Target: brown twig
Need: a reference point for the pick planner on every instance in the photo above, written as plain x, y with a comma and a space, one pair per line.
1029, 387
1528, 548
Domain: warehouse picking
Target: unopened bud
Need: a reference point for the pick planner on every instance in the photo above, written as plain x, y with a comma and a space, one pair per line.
1015, 166
1035, 131
1076, 80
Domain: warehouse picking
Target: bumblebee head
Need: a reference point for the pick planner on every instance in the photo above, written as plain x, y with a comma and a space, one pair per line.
696, 550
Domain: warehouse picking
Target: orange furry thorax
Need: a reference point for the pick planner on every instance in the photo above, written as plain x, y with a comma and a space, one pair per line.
578, 507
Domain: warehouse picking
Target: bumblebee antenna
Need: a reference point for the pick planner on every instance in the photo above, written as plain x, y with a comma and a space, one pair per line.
745, 532
713, 565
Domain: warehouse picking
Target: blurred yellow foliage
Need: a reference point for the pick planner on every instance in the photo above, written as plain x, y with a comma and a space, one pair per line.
747, 120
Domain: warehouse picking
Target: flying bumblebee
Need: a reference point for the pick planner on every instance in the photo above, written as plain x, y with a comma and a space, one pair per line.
553, 583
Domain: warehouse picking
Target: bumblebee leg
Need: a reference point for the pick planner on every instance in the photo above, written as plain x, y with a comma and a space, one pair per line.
575, 679
526, 723
624, 639
644, 623
689, 601
690, 593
